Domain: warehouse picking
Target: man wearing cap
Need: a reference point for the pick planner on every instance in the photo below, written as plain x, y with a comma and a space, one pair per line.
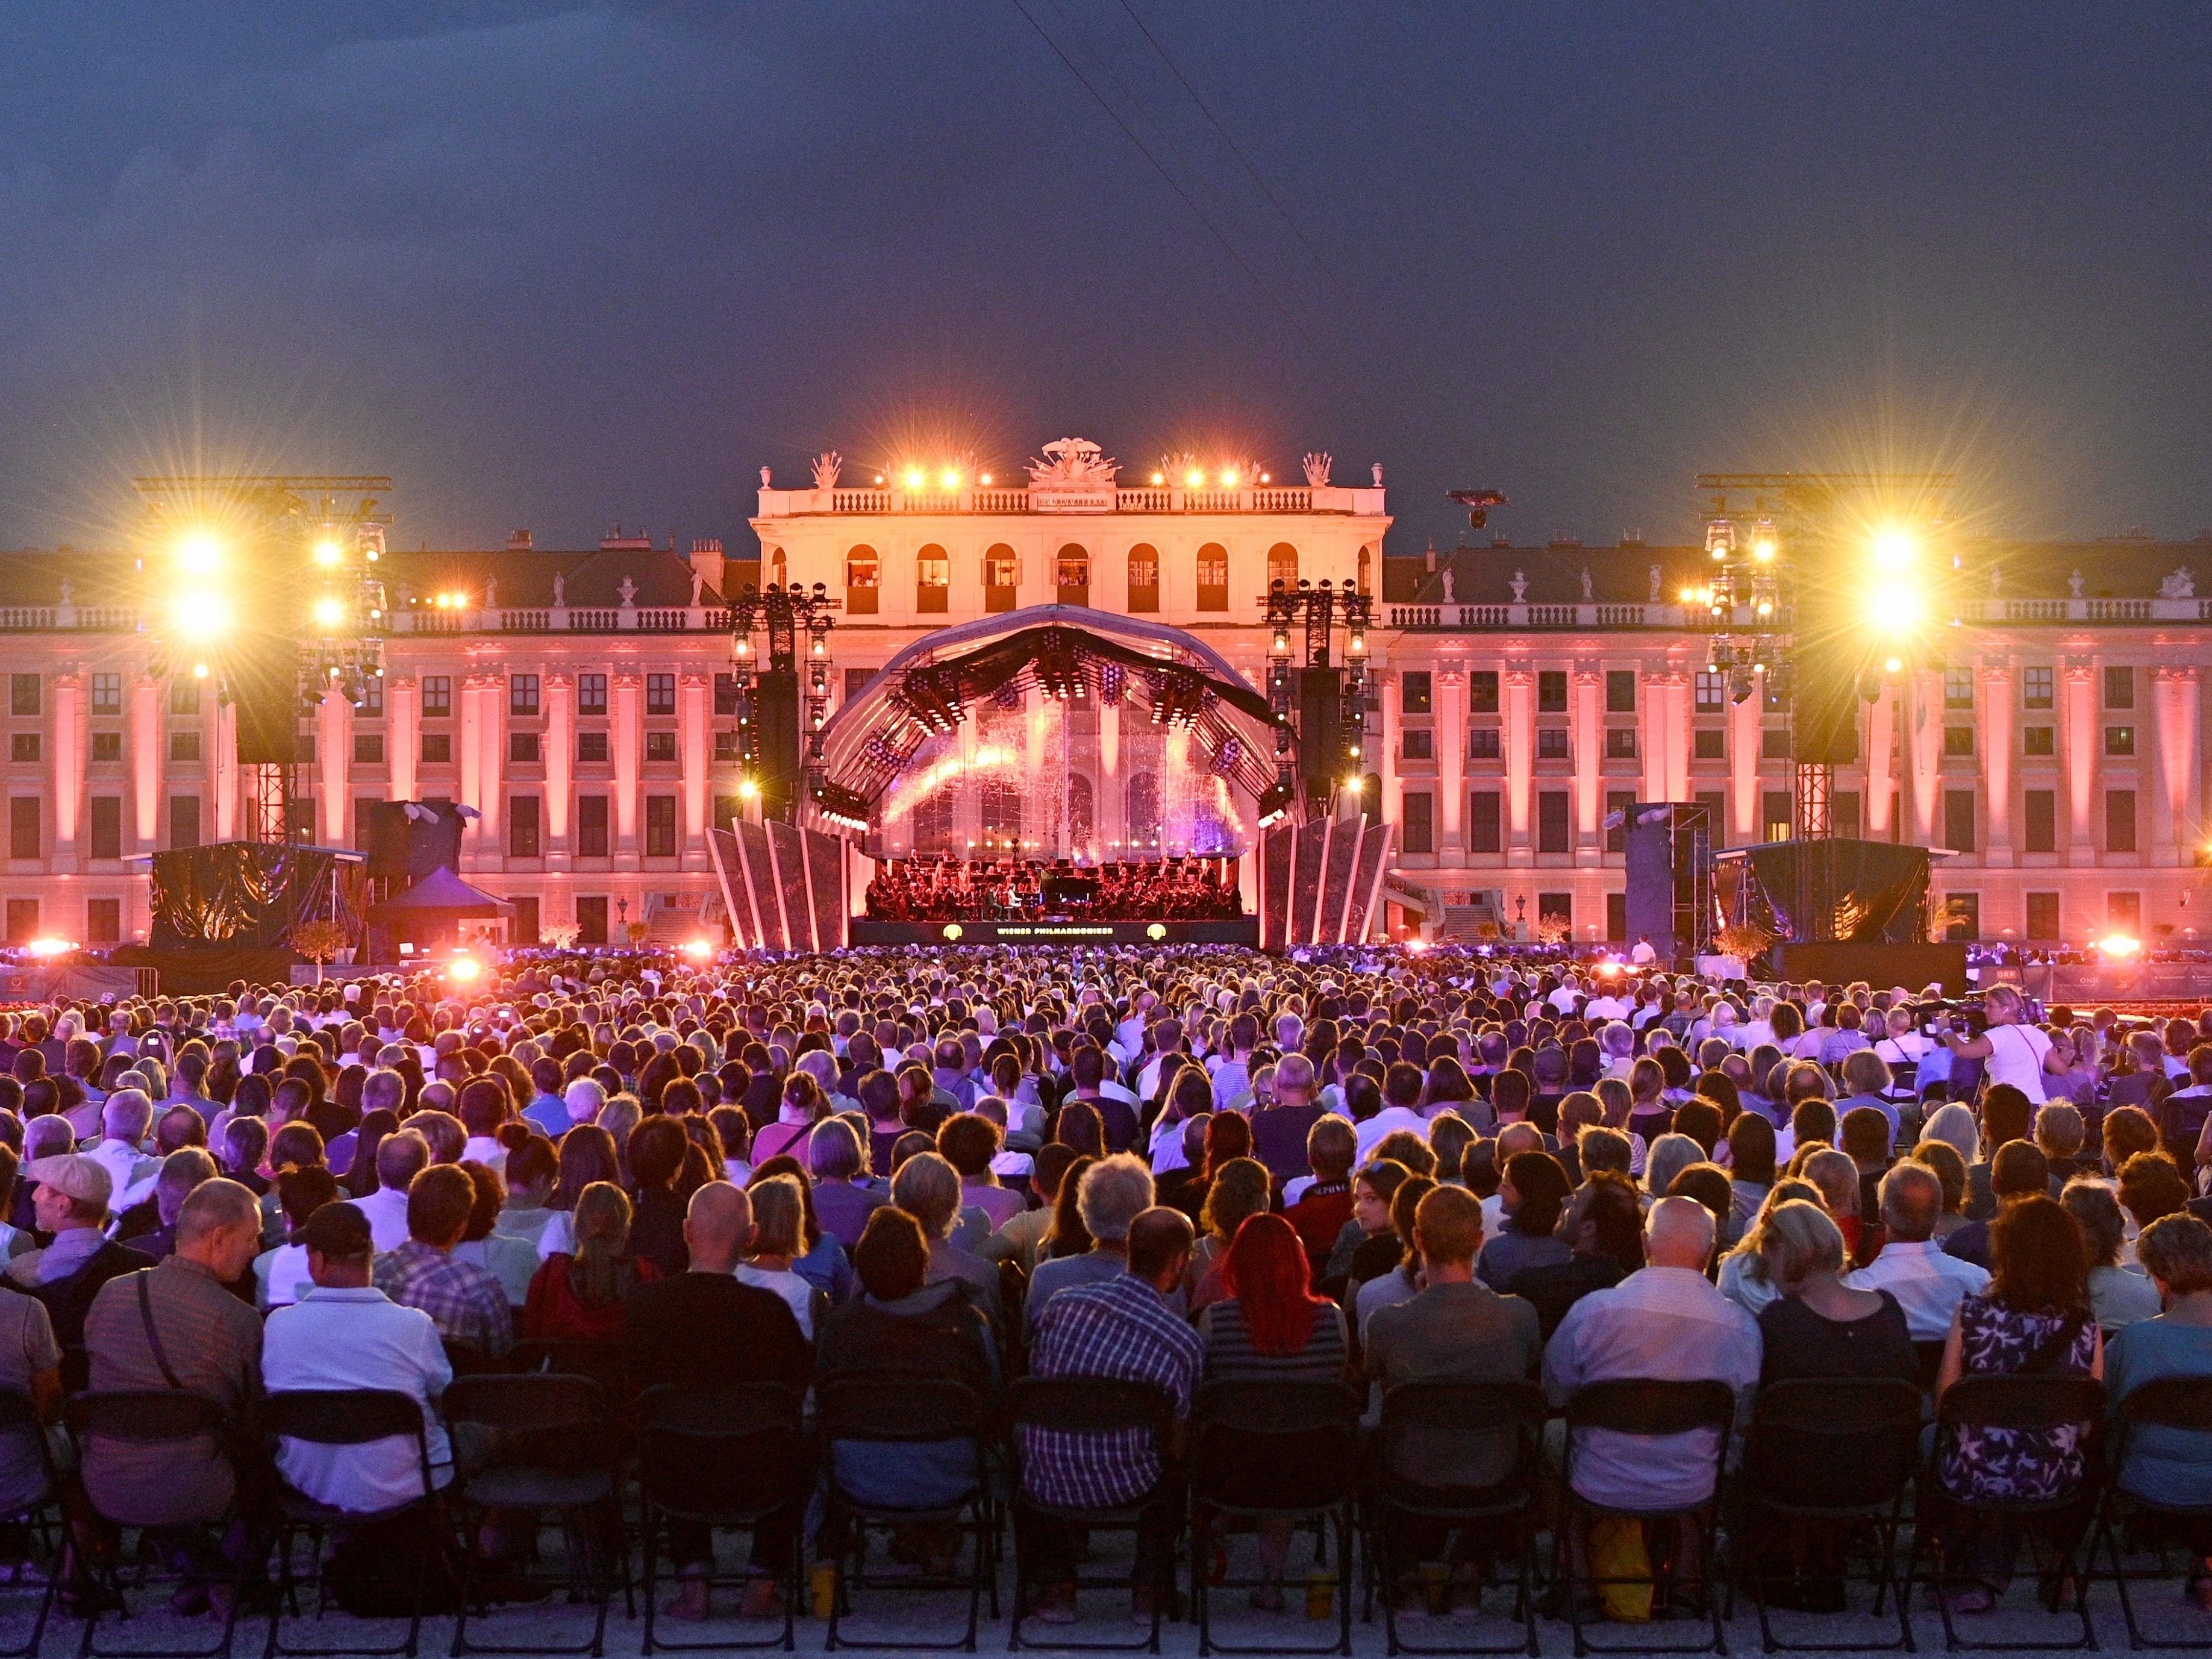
68, 1200
346, 1334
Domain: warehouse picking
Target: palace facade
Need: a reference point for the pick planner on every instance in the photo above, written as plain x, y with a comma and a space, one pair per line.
580, 702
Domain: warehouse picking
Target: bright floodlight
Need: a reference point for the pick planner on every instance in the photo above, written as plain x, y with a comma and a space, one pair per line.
1894, 609
747, 789
201, 616
2119, 944
913, 478
1228, 478
1894, 547
49, 947
1195, 479
328, 551
698, 949
1893, 664
199, 550
329, 612
462, 969
952, 480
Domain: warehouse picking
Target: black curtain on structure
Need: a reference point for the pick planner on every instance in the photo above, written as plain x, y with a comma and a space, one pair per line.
1849, 891
248, 895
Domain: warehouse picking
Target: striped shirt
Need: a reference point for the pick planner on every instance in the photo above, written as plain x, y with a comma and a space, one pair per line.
1230, 1356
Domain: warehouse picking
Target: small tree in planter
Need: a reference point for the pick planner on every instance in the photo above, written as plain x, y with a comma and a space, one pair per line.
1553, 929
561, 935
319, 942
639, 933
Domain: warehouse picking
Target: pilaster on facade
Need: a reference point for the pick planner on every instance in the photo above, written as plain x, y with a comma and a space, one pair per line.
693, 743
68, 777
1451, 758
2177, 748
1994, 708
560, 695
2081, 757
1518, 695
1586, 743
1879, 799
1746, 741
148, 757
626, 727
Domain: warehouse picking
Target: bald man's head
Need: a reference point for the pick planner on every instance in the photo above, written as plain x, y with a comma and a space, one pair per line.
1679, 1233
717, 1227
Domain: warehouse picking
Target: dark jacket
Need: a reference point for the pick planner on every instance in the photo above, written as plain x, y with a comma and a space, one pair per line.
701, 1329
69, 1300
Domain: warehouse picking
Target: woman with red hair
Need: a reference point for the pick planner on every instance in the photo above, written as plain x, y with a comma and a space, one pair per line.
1271, 1327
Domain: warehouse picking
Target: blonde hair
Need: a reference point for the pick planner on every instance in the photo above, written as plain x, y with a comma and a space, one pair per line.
779, 1215
1798, 1240
1836, 1176
601, 1220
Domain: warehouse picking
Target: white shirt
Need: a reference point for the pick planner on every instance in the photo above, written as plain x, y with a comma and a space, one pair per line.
1386, 1121
359, 1338
1645, 951
2016, 1053
797, 1293
386, 1210
1927, 1284
281, 1276
487, 1151
1608, 1007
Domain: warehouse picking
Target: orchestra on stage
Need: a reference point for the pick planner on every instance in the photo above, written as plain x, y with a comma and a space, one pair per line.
1013, 890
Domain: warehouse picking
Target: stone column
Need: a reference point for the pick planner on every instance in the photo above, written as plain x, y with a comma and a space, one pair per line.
626, 702
402, 727
2176, 747
560, 768
693, 743
1674, 689
67, 772
1586, 742
1744, 729
223, 772
334, 763
1451, 762
1993, 717
149, 754
1881, 777
476, 844
1390, 693
1520, 729
1924, 754
2078, 737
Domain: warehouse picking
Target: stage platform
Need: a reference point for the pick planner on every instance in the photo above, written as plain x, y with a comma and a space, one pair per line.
1239, 930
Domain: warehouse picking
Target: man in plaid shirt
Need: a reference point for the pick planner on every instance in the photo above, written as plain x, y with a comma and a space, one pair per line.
1122, 1329
466, 1303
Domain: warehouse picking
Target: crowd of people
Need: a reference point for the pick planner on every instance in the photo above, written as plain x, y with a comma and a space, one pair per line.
982, 890
1166, 1165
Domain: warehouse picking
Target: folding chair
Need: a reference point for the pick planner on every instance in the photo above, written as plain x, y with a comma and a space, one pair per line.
340, 1417
1273, 1451
728, 1456
1646, 1408
18, 1418
2182, 1405
1415, 1414
1830, 1454
1089, 1405
2024, 1404
549, 1438
909, 1411
150, 1419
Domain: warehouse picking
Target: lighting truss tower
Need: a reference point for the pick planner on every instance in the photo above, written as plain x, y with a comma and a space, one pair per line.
267, 588
772, 707
1769, 530
1326, 707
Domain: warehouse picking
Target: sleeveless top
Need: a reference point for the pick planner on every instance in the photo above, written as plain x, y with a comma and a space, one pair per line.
2010, 1465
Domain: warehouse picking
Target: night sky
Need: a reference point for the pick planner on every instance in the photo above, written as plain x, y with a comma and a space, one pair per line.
559, 266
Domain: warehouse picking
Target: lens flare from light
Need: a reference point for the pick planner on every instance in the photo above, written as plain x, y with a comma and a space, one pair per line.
328, 552
201, 615
1895, 547
2119, 945
1895, 610
698, 949
49, 947
913, 478
463, 970
329, 612
199, 550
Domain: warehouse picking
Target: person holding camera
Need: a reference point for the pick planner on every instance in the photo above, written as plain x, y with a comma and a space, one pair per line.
2011, 1050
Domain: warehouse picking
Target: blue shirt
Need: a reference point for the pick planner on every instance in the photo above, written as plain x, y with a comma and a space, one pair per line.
548, 1113
2166, 1466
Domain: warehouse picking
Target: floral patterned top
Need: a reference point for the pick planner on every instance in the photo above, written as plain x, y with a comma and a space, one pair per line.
2011, 1465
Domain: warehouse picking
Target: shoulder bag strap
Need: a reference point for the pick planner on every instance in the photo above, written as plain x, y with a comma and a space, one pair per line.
153, 1336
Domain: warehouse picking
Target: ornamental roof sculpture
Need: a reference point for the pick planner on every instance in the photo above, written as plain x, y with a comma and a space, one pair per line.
1072, 461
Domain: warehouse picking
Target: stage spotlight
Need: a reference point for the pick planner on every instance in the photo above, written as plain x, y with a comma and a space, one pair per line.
201, 616
1228, 478
463, 970
328, 552
913, 478
698, 949
199, 550
1194, 478
2119, 946
1893, 666
952, 480
1894, 547
329, 612
1895, 610
747, 788
1274, 803
49, 947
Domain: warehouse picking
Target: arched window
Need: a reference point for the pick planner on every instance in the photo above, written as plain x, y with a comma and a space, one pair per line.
1073, 573
933, 581
1144, 577
864, 575
1213, 577
1282, 565
1143, 814
1002, 575
1366, 570
777, 568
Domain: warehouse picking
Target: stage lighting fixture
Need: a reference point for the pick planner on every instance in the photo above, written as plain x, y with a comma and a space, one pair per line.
201, 615
913, 478
1894, 609
1228, 478
1720, 537
698, 949
49, 947
328, 551
1274, 803
1894, 547
329, 612
200, 552
1160, 478
1893, 666
984, 481
2119, 946
463, 970
747, 788
1195, 478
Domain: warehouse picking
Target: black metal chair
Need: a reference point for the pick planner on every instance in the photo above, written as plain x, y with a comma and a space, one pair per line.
340, 1417
147, 1420
19, 1419
728, 1456
1416, 1415
1644, 1407
2182, 1405
1273, 1451
605, 1363
909, 1411
548, 1440
2026, 1404
1089, 1405
1830, 1455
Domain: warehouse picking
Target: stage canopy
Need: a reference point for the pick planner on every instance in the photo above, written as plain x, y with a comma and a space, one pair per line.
1056, 732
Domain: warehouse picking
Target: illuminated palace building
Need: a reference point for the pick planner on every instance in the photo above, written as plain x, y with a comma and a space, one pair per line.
585, 704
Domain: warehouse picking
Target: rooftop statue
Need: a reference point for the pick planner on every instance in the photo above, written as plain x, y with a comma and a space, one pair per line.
1072, 461
2181, 585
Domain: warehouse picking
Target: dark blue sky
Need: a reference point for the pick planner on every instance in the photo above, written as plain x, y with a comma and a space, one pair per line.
562, 265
